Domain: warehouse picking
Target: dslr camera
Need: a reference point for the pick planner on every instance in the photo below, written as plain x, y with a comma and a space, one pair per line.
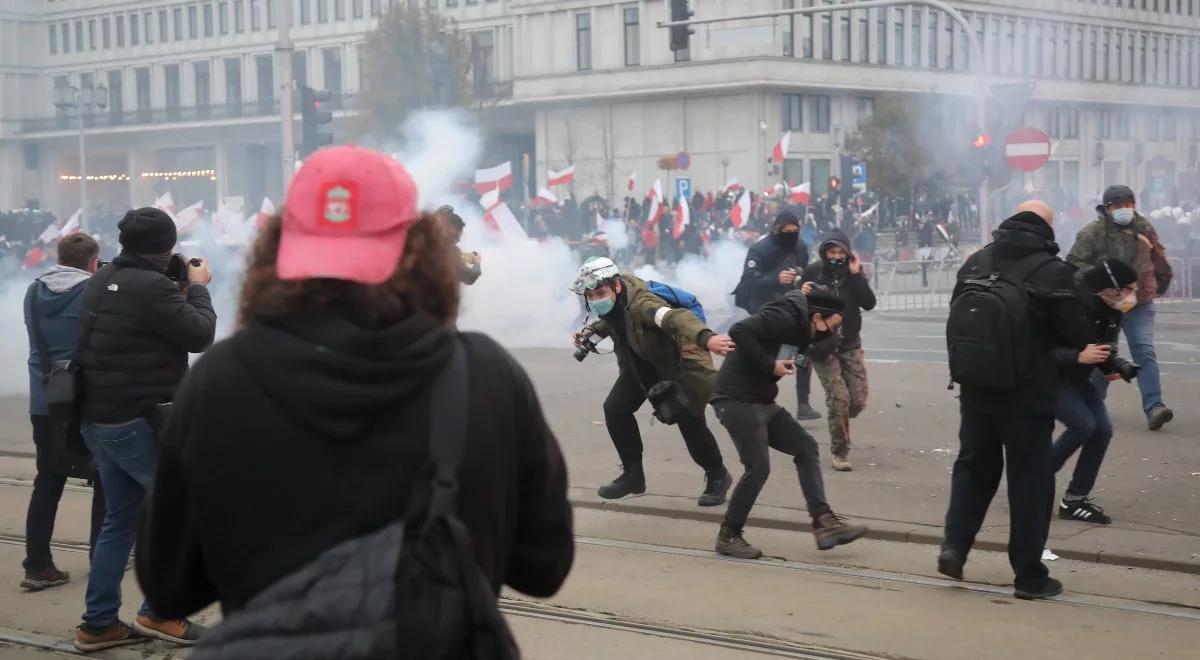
1118, 365
587, 346
177, 268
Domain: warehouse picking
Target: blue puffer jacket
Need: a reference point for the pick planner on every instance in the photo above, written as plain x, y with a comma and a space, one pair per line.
57, 299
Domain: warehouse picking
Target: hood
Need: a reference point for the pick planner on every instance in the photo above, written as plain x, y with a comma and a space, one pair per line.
1023, 234
61, 279
831, 238
336, 377
59, 289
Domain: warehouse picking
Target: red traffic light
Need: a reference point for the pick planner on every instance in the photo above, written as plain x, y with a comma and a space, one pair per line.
982, 140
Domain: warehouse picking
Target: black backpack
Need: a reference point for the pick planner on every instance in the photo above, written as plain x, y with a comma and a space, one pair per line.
988, 334
409, 590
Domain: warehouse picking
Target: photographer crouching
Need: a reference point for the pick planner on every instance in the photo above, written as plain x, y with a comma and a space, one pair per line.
139, 326
663, 354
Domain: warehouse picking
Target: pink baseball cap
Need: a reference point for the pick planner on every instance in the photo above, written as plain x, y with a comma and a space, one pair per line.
346, 217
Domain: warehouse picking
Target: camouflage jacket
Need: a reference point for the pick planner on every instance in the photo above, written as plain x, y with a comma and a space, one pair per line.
1136, 245
669, 339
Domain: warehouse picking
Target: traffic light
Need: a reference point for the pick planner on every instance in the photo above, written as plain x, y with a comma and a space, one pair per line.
982, 140
680, 34
312, 117
835, 185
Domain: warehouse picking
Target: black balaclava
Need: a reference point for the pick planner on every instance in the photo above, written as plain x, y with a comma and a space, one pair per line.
785, 239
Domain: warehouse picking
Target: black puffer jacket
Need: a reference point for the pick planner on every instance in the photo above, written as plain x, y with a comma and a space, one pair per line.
853, 288
748, 374
143, 330
1057, 317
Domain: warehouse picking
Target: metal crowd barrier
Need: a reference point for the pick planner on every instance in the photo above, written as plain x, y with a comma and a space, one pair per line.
915, 285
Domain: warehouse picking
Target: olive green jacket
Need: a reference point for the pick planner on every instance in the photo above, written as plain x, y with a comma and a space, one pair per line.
1136, 244
670, 340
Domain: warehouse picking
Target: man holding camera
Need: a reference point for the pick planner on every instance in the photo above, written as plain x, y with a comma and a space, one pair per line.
661, 350
1111, 290
142, 324
773, 267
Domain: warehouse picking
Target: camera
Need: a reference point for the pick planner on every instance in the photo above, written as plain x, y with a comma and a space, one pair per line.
586, 347
1118, 365
177, 267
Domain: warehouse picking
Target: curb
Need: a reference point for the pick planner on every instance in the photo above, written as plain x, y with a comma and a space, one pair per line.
891, 532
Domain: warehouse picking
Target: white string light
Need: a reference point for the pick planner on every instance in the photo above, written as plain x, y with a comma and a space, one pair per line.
95, 177
181, 174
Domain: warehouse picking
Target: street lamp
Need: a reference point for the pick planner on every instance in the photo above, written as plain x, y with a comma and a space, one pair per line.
84, 100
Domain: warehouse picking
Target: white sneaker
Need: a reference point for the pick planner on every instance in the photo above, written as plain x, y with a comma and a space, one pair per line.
842, 464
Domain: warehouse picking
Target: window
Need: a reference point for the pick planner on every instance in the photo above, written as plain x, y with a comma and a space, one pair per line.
633, 50
684, 55
881, 37
1071, 127
32, 162
256, 15
583, 41
331, 59
820, 176
177, 19
193, 23
1175, 76
789, 30
820, 114
807, 24
1168, 127
866, 108
1093, 47
54, 40
900, 52
864, 38
793, 169
106, 33
1104, 119
305, 12
239, 18
142, 86
1025, 27
1052, 123
1122, 124
300, 67
233, 83
66, 38
934, 51
78, 36
1071, 181
826, 36
1120, 55
271, 15
266, 82
339, 10
793, 112
163, 34
356, 8
121, 30
133, 28
375, 7
171, 80
200, 71
322, 11
1079, 35
208, 20
844, 23
92, 34
917, 36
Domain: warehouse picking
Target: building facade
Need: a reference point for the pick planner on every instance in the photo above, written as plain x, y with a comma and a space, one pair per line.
192, 89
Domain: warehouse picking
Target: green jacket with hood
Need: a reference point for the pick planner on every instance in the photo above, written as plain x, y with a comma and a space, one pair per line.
1136, 244
670, 340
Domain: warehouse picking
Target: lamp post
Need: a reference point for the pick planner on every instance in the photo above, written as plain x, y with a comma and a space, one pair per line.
83, 100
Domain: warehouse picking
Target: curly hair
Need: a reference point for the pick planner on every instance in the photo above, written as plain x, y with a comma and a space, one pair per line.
426, 281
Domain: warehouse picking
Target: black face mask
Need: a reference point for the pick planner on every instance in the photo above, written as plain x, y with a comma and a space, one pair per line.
821, 337
787, 239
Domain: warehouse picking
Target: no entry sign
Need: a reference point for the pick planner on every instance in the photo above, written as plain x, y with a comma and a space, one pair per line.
1027, 149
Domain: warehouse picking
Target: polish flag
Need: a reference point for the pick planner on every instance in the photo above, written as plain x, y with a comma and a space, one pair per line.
731, 185
499, 177
265, 212
781, 149
656, 204
658, 188
500, 221
801, 194
561, 178
741, 211
72, 225
682, 217
545, 198
166, 204
490, 199
188, 216
51, 234
632, 178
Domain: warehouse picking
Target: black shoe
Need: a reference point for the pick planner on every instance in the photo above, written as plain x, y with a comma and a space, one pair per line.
1084, 511
732, 544
1158, 416
631, 482
715, 489
805, 413
1047, 589
950, 562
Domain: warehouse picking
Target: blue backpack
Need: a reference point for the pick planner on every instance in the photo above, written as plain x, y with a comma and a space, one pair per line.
677, 298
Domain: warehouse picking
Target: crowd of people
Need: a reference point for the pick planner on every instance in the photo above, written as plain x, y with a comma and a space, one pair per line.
327, 442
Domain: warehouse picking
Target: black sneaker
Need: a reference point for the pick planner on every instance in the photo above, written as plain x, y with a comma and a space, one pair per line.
1158, 416
805, 413
951, 561
731, 543
1047, 589
1084, 511
715, 489
631, 482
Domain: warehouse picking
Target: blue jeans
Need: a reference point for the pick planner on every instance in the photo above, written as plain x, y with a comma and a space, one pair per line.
1139, 332
1081, 409
127, 457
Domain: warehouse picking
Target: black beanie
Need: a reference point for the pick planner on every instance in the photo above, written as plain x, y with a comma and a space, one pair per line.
1109, 274
786, 218
147, 231
824, 303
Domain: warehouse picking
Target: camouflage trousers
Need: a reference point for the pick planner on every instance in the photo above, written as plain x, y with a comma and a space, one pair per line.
844, 378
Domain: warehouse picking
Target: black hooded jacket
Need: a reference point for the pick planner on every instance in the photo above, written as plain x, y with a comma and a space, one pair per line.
291, 437
760, 274
1057, 316
855, 289
748, 374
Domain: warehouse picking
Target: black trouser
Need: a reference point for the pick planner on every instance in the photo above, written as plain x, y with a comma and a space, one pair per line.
984, 441
43, 502
803, 382
625, 398
755, 427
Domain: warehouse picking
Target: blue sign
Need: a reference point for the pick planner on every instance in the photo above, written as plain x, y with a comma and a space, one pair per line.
683, 187
859, 175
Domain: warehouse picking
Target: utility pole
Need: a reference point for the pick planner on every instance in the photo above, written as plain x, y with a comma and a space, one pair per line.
284, 50
83, 201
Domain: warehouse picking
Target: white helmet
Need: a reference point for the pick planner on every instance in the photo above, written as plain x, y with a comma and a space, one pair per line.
593, 273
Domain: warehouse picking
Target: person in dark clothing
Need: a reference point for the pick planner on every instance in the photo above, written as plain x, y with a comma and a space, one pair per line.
52, 309
142, 329
470, 264
744, 398
925, 246
343, 327
773, 266
1111, 291
843, 372
1017, 422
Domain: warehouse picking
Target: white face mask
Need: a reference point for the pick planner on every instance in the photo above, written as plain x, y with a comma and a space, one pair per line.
1122, 216
1124, 304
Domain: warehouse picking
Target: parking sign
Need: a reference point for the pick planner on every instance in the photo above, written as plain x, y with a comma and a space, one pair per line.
683, 187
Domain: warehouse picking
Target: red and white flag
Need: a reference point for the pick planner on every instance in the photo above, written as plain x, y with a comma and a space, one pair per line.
501, 221
561, 178
189, 215
51, 234
499, 177
781, 149
632, 178
72, 225
683, 216
800, 194
732, 184
545, 198
741, 211
490, 199
658, 188
166, 204
656, 204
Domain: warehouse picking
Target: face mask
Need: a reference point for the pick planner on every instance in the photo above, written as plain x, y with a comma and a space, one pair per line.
787, 239
1124, 304
603, 306
1122, 216
836, 263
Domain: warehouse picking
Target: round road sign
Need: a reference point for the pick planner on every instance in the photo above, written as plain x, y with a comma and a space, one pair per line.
683, 159
1027, 149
